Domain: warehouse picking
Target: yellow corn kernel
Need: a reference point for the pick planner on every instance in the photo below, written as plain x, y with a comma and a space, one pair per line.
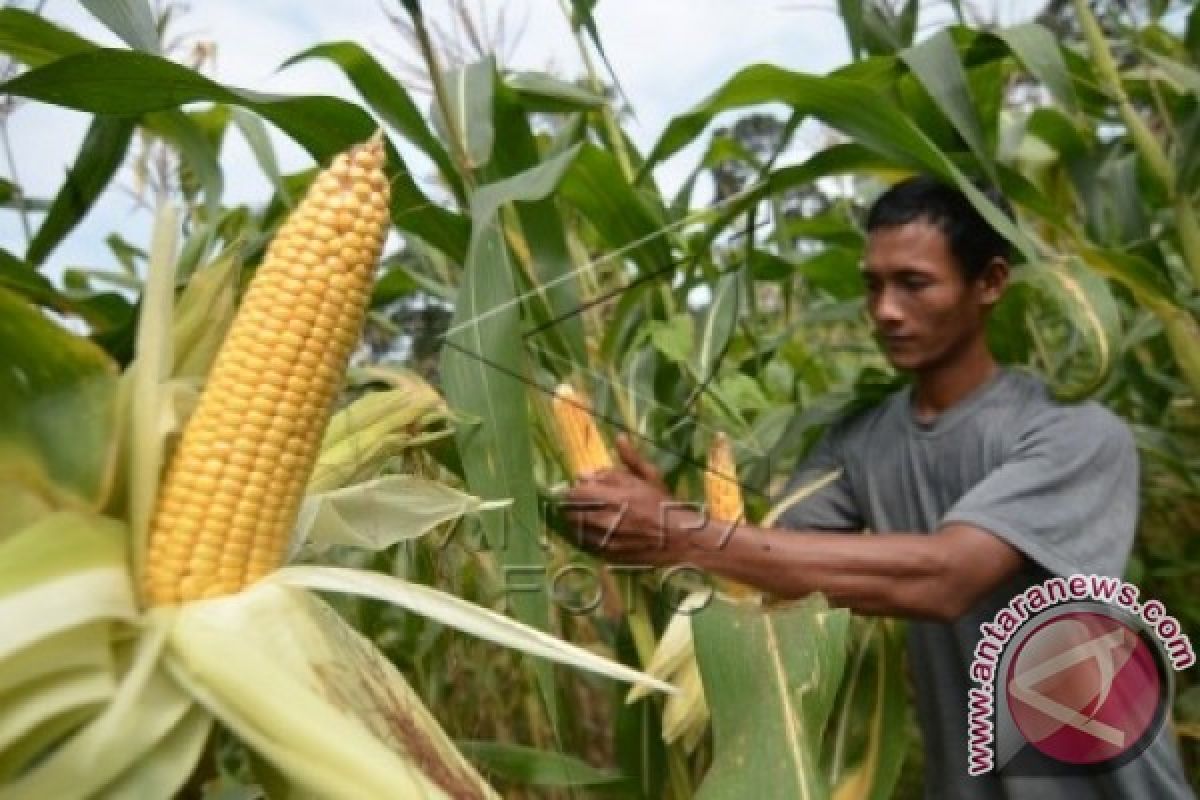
225, 514
581, 440
721, 489
723, 495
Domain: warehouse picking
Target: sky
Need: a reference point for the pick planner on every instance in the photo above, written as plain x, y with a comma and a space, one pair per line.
668, 54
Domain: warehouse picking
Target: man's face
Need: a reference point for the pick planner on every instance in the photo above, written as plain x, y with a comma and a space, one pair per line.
924, 311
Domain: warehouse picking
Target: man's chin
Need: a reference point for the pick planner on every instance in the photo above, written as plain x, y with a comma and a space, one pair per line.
904, 362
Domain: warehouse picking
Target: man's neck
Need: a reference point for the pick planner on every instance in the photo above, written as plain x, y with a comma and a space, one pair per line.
939, 388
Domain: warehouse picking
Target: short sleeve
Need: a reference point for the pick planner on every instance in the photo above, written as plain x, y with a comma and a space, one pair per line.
831, 507
1067, 495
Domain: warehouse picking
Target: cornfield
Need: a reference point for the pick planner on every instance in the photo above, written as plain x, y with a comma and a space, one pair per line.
248, 510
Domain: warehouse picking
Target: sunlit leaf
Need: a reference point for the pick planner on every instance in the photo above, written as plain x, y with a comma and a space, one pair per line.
460, 614
717, 326
1039, 51
100, 156
937, 65
387, 98
339, 718
540, 92
469, 90
132, 20
382, 512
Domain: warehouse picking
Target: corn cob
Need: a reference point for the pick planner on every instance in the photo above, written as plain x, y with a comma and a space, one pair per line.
582, 442
724, 498
721, 490
233, 489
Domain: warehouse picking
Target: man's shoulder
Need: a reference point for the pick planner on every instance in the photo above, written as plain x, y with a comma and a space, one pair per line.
1085, 418
1021, 405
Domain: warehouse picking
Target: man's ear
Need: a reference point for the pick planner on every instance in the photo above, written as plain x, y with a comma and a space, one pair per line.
993, 281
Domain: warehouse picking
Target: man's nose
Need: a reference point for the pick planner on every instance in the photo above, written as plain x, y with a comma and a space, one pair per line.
886, 309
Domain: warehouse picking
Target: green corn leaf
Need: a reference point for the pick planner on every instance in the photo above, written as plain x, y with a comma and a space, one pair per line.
100, 156
57, 406
554, 296
470, 89
255, 134
132, 20
483, 369
937, 65
124, 83
340, 719
864, 748
387, 98
532, 767
197, 136
1036, 48
770, 679
717, 327
381, 512
539, 92
853, 107
1085, 300
34, 41
841, 159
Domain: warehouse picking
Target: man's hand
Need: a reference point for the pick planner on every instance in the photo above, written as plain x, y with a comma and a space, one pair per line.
638, 465
628, 515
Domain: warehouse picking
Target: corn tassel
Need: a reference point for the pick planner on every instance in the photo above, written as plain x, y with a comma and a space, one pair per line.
581, 440
233, 488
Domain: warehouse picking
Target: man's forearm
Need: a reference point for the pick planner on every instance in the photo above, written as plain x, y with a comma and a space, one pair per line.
894, 574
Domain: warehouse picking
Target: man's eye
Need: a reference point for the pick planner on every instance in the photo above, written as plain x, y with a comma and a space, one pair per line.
915, 283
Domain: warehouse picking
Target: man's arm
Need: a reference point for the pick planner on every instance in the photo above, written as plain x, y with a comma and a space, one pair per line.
632, 519
936, 576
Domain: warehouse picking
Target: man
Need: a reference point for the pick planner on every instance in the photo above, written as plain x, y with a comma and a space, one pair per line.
976, 483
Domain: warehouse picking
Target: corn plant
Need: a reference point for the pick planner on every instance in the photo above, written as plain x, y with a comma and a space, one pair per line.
563, 260
112, 694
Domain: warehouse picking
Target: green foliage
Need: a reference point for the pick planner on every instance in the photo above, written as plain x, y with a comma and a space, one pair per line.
771, 678
562, 259
57, 408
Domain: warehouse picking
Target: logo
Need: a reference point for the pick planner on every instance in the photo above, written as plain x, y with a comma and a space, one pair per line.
1073, 675
1086, 688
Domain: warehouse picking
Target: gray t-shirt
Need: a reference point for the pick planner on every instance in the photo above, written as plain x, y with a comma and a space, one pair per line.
1058, 482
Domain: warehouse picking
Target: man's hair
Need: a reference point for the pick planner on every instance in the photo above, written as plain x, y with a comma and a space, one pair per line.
972, 240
